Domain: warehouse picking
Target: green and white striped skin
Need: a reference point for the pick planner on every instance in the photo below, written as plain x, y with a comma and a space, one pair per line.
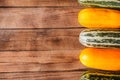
100, 75
101, 3
100, 38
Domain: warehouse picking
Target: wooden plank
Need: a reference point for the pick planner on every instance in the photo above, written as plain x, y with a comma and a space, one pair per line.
38, 3
40, 56
39, 17
40, 39
59, 60
74, 75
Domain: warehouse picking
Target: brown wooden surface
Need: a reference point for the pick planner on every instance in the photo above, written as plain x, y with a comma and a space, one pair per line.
39, 40
38, 3
63, 60
39, 17
54, 48
73, 75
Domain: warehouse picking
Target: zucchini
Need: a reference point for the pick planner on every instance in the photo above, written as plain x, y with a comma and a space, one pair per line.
100, 38
99, 18
101, 58
100, 75
101, 3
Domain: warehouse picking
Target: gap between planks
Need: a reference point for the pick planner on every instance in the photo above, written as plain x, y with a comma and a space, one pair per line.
42, 28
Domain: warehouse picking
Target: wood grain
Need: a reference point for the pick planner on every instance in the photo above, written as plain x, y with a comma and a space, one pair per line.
74, 75
16, 3
40, 39
44, 57
40, 50
58, 50
63, 60
39, 17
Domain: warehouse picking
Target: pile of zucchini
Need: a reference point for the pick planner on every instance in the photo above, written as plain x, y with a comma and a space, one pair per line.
102, 38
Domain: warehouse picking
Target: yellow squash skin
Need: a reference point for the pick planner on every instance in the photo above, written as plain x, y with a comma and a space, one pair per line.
99, 18
104, 59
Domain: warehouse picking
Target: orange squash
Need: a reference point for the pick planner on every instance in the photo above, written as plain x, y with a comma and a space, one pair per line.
104, 59
99, 18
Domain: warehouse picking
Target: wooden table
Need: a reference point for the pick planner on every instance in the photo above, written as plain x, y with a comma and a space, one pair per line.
39, 40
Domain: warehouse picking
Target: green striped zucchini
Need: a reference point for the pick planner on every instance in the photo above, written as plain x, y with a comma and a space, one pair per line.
101, 3
100, 38
100, 75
